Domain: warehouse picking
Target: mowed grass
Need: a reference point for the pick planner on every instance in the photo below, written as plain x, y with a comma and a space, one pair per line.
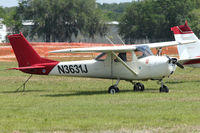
67, 104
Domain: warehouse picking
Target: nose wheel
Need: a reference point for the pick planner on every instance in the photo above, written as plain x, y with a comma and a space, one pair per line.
163, 87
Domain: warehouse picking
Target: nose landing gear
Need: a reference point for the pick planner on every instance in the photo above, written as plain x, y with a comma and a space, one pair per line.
163, 87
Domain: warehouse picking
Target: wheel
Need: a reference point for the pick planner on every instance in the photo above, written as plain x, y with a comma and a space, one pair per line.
164, 89
117, 89
138, 87
113, 89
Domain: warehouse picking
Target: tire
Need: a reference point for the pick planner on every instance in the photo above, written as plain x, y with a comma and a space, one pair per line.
142, 87
135, 87
117, 89
164, 89
138, 87
113, 89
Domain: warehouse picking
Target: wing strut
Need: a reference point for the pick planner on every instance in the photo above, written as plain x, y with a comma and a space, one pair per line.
124, 63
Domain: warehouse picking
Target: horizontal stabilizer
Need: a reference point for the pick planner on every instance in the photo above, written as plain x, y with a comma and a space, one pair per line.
172, 43
27, 68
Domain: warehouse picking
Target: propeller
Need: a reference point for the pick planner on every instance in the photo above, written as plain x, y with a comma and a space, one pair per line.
175, 61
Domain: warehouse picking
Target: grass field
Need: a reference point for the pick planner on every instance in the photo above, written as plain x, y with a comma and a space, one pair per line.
66, 104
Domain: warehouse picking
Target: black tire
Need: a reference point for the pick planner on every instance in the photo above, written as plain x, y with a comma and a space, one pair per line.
142, 87
135, 87
113, 89
117, 89
138, 87
164, 89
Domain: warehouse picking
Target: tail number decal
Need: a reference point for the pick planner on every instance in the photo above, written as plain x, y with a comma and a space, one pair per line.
62, 69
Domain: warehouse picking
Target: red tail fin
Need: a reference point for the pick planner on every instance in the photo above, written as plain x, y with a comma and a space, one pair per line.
182, 29
24, 52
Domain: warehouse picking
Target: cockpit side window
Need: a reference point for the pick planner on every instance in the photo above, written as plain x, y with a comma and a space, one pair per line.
122, 56
101, 57
126, 56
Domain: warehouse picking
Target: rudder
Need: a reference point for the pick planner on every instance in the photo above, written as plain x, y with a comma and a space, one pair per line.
24, 52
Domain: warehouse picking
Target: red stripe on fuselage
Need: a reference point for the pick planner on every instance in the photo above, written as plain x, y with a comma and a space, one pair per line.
193, 61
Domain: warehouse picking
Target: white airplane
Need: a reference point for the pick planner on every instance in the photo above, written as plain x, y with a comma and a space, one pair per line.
129, 62
189, 54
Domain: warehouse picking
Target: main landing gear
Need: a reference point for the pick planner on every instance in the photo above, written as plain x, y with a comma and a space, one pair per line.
137, 86
114, 89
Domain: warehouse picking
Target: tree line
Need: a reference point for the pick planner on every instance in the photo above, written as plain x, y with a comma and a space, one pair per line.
153, 19
59, 20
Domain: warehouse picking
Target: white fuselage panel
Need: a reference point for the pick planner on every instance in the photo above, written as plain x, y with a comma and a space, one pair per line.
151, 67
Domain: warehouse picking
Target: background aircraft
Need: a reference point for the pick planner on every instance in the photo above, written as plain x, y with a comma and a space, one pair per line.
129, 62
189, 54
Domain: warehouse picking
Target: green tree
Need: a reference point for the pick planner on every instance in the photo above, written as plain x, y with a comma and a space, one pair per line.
113, 11
141, 21
2, 12
60, 19
153, 19
194, 19
13, 19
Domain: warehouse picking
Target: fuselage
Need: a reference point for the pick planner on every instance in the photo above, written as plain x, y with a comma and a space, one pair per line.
151, 67
137, 63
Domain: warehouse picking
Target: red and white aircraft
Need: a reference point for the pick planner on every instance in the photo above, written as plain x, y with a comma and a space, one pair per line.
189, 54
129, 62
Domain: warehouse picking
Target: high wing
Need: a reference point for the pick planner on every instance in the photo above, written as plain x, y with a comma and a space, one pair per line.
105, 49
125, 48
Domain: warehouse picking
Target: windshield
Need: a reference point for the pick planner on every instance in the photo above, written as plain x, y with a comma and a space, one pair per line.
143, 51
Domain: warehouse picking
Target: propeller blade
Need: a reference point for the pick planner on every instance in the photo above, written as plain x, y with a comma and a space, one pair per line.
175, 61
179, 65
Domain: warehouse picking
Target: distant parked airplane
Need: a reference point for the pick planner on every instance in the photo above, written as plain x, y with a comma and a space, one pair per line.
189, 54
